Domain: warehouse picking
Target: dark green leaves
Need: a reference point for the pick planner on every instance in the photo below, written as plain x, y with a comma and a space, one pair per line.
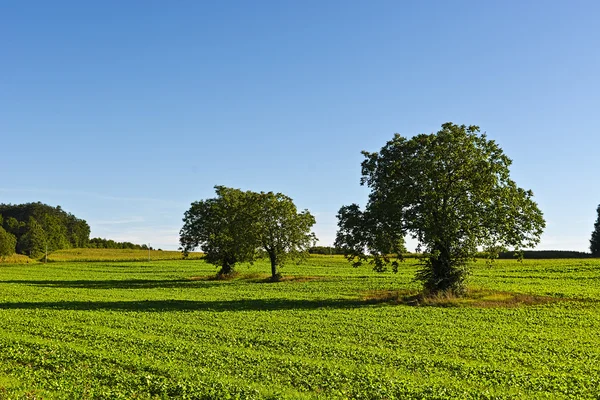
236, 226
452, 192
8, 242
38, 227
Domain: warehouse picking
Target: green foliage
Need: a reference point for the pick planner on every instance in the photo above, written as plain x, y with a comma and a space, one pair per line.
8, 242
452, 192
595, 240
237, 226
280, 230
220, 226
39, 226
99, 243
33, 241
364, 236
167, 330
325, 250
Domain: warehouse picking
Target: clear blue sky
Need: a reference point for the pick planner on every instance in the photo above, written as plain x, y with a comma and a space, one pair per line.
124, 112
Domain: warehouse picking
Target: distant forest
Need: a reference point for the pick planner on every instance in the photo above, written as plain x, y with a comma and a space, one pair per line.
98, 243
327, 250
34, 228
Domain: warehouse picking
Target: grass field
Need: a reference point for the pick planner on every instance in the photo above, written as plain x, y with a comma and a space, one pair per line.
167, 329
16, 259
92, 255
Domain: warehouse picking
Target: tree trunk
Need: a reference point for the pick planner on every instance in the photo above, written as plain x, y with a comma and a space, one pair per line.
442, 274
446, 275
273, 258
226, 269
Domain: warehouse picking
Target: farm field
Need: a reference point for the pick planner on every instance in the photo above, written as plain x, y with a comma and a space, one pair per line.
77, 255
166, 329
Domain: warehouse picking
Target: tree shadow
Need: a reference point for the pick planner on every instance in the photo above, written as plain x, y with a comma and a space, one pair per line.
187, 283
193, 305
118, 283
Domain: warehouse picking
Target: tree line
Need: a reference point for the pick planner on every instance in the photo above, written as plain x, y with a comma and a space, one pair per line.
99, 243
32, 229
325, 250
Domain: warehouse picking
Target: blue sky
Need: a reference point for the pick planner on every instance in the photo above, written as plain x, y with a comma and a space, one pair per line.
124, 113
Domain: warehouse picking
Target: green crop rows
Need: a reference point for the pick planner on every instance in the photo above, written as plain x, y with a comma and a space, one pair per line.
165, 330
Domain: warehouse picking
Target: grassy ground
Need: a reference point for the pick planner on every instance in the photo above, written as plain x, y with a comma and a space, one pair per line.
16, 259
167, 329
100, 255
91, 255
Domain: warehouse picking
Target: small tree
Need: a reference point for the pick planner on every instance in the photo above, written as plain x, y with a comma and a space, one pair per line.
282, 232
220, 227
452, 192
595, 240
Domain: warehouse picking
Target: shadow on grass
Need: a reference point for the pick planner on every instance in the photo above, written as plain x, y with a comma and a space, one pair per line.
119, 283
476, 298
187, 283
192, 305
258, 277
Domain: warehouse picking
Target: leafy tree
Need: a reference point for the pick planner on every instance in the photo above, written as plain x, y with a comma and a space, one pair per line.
56, 235
452, 192
220, 226
595, 240
236, 226
33, 242
79, 232
8, 242
282, 232
13, 226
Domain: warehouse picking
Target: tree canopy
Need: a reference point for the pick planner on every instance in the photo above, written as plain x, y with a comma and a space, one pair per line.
237, 226
364, 232
38, 227
282, 232
452, 192
595, 240
101, 243
8, 242
219, 226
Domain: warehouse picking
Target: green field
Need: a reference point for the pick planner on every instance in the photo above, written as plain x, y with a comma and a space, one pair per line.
116, 255
167, 329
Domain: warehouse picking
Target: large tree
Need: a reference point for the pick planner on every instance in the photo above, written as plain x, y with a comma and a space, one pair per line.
282, 231
595, 240
452, 192
220, 227
237, 226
